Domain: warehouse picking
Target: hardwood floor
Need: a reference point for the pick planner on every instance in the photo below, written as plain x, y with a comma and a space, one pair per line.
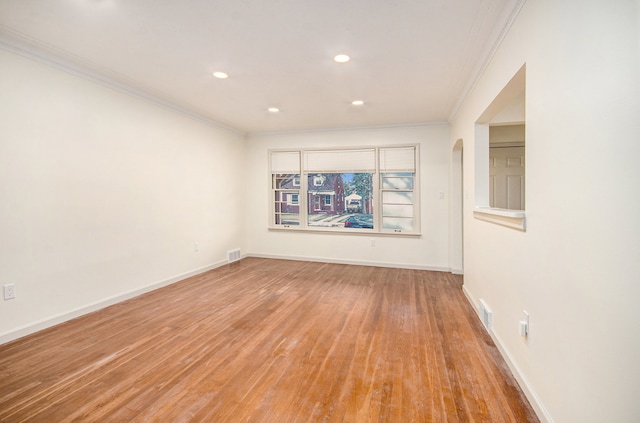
269, 341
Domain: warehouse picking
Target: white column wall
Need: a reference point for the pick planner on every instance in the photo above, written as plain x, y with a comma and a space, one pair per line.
575, 269
103, 195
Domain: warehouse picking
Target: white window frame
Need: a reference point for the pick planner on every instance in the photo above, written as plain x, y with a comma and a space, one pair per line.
383, 191
386, 159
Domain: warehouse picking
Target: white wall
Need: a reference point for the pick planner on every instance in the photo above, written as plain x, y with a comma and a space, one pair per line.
431, 250
103, 194
575, 269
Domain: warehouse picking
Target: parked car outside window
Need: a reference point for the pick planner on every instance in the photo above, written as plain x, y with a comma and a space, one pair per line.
364, 221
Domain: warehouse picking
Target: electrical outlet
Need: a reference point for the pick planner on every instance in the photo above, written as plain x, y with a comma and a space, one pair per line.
373, 242
10, 291
196, 247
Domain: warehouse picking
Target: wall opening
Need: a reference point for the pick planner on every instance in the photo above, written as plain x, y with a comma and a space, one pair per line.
507, 166
500, 184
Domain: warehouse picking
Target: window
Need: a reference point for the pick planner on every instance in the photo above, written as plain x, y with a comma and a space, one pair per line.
338, 201
351, 190
285, 169
397, 201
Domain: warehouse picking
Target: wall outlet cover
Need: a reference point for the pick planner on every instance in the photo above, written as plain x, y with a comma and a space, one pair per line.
9, 291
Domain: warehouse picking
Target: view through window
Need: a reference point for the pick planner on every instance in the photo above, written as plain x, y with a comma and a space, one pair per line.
351, 190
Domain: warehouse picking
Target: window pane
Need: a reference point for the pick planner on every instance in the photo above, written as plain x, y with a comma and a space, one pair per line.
397, 181
286, 197
397, 174
287, 219
400, 223
359, 221
340, 200
286, 180
397, 210
397, 197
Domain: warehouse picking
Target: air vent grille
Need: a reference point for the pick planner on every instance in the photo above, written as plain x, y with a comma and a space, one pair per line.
233, 255
486, 316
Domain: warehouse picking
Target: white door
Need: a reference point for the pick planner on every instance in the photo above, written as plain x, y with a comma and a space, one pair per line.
506, 177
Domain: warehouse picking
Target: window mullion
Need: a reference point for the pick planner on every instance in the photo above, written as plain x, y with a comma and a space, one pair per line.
304, 199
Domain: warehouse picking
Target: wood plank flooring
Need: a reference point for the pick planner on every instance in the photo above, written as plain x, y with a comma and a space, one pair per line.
269, 341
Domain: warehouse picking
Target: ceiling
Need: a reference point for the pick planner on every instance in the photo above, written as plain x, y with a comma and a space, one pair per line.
412, 61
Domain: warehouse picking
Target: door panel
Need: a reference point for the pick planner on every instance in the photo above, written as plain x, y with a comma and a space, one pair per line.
507, 177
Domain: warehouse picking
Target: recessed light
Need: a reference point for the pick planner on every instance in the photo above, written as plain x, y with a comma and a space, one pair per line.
220, 75
273, 109
357, 102
342, 58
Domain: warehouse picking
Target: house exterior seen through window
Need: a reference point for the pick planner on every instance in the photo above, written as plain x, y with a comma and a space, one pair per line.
352, 190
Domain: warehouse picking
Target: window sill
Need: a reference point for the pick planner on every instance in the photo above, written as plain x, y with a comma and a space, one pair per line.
515, 219
368, 232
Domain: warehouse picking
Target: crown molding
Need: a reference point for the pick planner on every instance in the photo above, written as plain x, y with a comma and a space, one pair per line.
22, 45
346, 129
507, 22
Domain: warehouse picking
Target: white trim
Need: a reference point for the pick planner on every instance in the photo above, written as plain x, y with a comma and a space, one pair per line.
527, 389
315, 206
535, 401
81, 311
351, 262
506, 144
22, 45
342, 231
346, 129
515, 219
488, 57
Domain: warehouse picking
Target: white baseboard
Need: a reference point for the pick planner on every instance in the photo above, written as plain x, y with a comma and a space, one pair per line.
534, 400
352, 262
474, 304
457, 271
531, 395
61, 318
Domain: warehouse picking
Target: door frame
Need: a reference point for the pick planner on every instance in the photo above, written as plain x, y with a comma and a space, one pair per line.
457, 209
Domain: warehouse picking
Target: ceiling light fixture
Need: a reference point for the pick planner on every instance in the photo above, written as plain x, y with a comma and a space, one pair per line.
357, 102
273, 109
220, 75
342, 58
